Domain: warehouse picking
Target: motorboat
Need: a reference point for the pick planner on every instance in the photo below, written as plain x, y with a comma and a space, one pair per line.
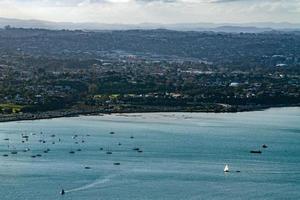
256, 151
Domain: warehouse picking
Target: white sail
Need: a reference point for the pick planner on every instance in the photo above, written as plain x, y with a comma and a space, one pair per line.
226, 168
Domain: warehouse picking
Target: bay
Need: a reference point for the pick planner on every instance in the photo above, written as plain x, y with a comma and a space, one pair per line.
182, 156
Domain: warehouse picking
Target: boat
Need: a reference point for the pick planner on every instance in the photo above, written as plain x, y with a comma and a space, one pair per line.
264, 146
25, 136
226, 168
62, 192
117, 163
256, 151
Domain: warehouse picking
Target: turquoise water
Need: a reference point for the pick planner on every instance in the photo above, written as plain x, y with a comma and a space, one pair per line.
183, 157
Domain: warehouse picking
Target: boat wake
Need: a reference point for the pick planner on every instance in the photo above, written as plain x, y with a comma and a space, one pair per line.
98, 182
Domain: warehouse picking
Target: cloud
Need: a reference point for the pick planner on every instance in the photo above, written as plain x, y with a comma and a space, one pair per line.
156, 11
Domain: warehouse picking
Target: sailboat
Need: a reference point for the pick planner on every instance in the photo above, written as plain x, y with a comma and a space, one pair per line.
226, 168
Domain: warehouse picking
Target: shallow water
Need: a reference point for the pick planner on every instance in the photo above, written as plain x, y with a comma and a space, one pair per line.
183, 157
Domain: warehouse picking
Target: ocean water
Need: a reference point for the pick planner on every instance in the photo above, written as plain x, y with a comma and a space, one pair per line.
183, 157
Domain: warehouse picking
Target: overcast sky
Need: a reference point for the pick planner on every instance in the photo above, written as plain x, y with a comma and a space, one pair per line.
153, 11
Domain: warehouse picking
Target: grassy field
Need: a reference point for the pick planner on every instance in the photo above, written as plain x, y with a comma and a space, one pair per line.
11, 107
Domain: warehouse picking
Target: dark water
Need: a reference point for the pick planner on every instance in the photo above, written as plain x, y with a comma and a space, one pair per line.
183, 157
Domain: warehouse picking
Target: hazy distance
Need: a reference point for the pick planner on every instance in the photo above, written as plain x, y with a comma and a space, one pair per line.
153, 11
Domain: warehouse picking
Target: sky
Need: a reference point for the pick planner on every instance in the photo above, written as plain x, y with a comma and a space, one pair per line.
153, 11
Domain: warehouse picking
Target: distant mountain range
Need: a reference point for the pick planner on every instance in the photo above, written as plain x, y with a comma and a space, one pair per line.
226, 27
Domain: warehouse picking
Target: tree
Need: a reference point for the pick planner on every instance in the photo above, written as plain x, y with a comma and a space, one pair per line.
93, 89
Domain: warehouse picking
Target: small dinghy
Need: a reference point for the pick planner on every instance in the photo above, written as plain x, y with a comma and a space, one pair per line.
256, 151
226, 168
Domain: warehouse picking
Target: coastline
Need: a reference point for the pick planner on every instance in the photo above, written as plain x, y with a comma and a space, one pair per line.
86, 112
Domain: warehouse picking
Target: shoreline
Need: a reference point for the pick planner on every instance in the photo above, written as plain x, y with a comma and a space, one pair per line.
94, 112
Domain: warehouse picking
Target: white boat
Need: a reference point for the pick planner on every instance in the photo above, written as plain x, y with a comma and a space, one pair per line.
226, 168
